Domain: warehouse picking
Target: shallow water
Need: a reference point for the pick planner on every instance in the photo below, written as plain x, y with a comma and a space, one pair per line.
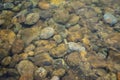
59, 39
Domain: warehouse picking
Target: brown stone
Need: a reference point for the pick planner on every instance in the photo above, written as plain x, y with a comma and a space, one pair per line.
17, 46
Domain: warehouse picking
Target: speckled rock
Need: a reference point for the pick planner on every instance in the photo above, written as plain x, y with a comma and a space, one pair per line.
61, 16
18, 46
59, 51
6, 61
30, 34
47, 33
42, 59
40, 73
32, 18
26, 69
59, 72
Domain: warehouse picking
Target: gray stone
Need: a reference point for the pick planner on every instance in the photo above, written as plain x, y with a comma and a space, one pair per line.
47, 33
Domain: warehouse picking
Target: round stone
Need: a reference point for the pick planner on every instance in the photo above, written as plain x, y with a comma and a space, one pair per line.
47, 33
32, 18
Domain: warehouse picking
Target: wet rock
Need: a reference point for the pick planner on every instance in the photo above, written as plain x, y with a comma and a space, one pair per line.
26, 69
34, 2
12, 72
73, 59
3, 53
57, 2
44, 46
15, 60
73, 20
75, 47
26, 77
3, 71
60, 63
77, 5
43, 5
110, 19
46, 14
47, 33
4, 15
41, 73
72, 75
59, 51
18, 46
6, 61
113, 40
8, 5
55, 78
58, 38
7, 36
59, 72
30, 34
32, 18
61, 16
2, 21
30, 47
74, 34
42, 59
31, 53
118, 75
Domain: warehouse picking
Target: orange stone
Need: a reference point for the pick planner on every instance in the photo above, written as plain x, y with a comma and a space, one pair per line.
44, 5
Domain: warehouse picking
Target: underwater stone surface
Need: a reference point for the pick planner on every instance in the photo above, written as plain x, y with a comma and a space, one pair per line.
63, 40
109, 18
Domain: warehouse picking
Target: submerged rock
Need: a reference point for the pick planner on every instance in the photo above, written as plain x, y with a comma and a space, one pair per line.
110, 19
61, 16
47, 33
32, 18
59, 51
42, 59
30, 34
26, 70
